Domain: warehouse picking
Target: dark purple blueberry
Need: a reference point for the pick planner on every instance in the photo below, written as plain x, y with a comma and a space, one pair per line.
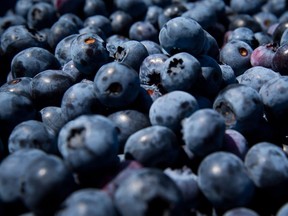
170, 109
223, 179
151, 68
155, 194
182, 34
121, 22
278, 32
41, 15
31, 61
180, 72
48, 87
93, 7
89, 143
153, 146
68, 6
46, 184
203, 131
236, 53
131, 53
80, 99
87, 201
280, 58
143, 30
241, 106
89, 53
62, 50
19, 86
99, 21
263, 55
257, 76
127, 123
10, 190
116, 84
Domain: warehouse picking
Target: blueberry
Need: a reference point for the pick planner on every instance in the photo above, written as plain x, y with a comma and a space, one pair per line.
136, 8
99, 21
19, 86
243, 6
152, 14
244, 20
127, 123
31, 61
279, 60
180, 72
263, 55
94, 30
143, 30
62, 49
46, 184
151, 68
116, 84
80, 99
10, 190
244, 34
263, 37
31, 134
132, 53
241, 211
203, 132
152, 47
154, 146
48, 87
223, 179
93, 7
228, 75
89, 143
41, 15
265, 19
155, 194
71, 17
237, 54
88, 201
10, 20
121, 22
170, 109
70, 69
85, 48
257, 76
182, 34
283, 210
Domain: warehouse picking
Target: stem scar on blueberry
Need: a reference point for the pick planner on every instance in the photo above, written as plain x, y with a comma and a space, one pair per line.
227, 113
243, 52
89, 40
114, 88
175, 66
14, 81
76, 138
120, 53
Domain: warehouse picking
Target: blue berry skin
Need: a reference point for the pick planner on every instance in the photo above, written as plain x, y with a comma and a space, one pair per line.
19, 37
152, 47
211, 47
10, 189
228, 75
241, 107
243, 6
19, 86
143, 30
94, 30
113, 42
263, 55
10, 20
41, 15
223, 179
116, 84
48, 87
257, 76
15, 108
71, 17
180, 72
70, 69
59, 30
203, 132
46, 184
150, 69
265, 19
131, 53
80, 99
89, 143
62, 50
244, 20
210, 80
154, 146
263, 37
273, 94
31, 61
52, 118
31, 134
170, 109
241, 211
155, 194
99, 21
244, 34
153, 91
283, 210
93, 7
120, 22
136, 8
87, 202
88, 53
152, 14
182, 34
237, 54
127, 123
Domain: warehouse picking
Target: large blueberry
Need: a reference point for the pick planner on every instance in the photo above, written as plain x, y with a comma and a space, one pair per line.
224, 181
170, 109
89, 143
116, 84
203, 131
182, 34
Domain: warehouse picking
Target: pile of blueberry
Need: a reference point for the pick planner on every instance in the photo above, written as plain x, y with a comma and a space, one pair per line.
144, 108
